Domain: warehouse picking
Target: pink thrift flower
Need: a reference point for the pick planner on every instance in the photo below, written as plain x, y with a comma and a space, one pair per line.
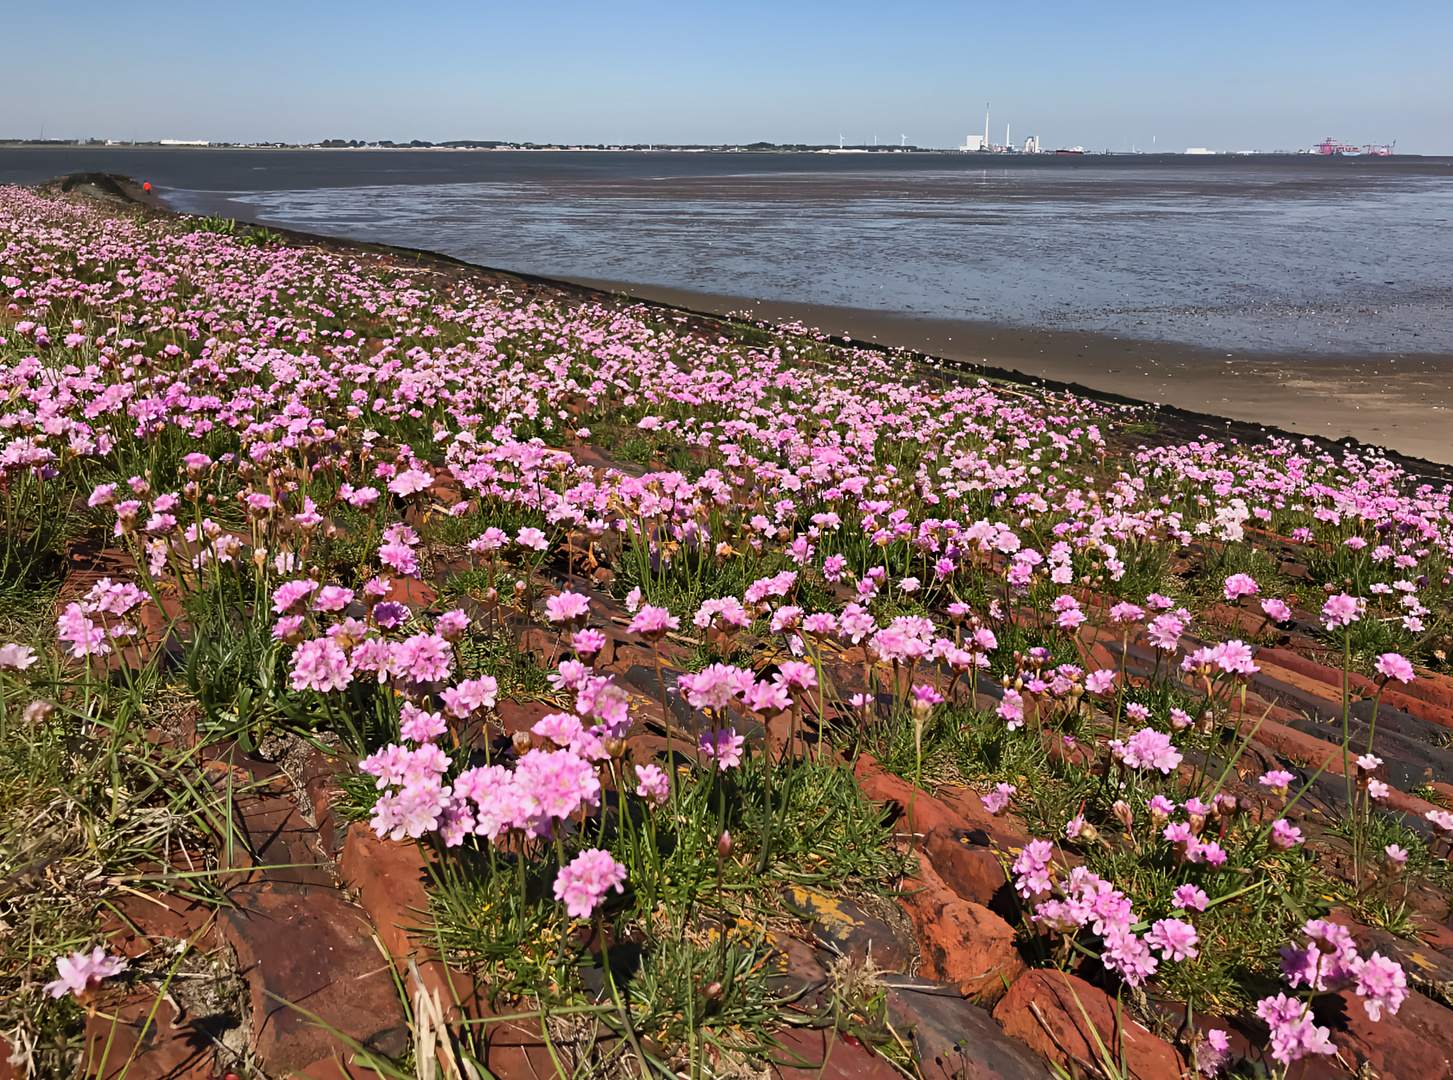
567, 607
1239, 585
653, 623
332, 598
424, 658
419, 726
86, 638
1285, 835
1342, 610
998, 799
1382, 984
583, 883
1214, 1054
1276, 780
1151, 749
1394, 666
653, 784
1011, 709
79, 970
725, 747
290, 596
1175, 939
797, 673
400, 558
1276, 611
16, 657
321, 665
1191, 897
451, 625
409, 482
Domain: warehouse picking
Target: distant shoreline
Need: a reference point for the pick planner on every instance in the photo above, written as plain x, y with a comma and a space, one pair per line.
1042, 157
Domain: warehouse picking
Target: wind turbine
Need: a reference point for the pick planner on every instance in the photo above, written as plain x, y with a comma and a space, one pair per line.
904, 139
839, 142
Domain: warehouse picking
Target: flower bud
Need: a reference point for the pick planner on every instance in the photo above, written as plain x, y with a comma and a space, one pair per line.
724, 845
614, 746
1197, 822
1124, 813
713, 990
522, 741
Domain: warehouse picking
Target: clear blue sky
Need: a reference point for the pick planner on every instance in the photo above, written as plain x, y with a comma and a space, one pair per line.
1232, 75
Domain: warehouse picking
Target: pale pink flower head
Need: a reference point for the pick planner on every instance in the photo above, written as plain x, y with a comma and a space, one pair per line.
1126, 613
583, 883
652, 784
1165, 631
715, 687
400, 558
925, 697
1190, 897
569, 608
470, 696
1175, 938
423, 658
321, 665
15, 657
653, 623
1239, 585
1276, 611
798, 674
1285, 835
588, 643
1342, 610
419, 726
1276, 780
724, 747
1214, 1054
1382, 984
562, 729
1151, 749
998, 799
1393, 665
766, 697
451, 625
359, 498
80, 969
86, 638
489, 541
1294, 1034
332, 598
291, 596
1098, 682
1011, 709
532, 539
409, 482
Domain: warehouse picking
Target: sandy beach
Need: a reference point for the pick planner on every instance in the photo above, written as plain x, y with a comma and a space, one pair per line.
1401, 403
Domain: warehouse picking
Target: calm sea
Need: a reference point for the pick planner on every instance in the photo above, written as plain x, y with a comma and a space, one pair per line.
1291, 255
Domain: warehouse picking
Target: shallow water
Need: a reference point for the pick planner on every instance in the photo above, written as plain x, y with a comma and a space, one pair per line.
1301, 256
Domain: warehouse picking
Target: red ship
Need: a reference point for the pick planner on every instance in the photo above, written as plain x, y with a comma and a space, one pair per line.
1331, 146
